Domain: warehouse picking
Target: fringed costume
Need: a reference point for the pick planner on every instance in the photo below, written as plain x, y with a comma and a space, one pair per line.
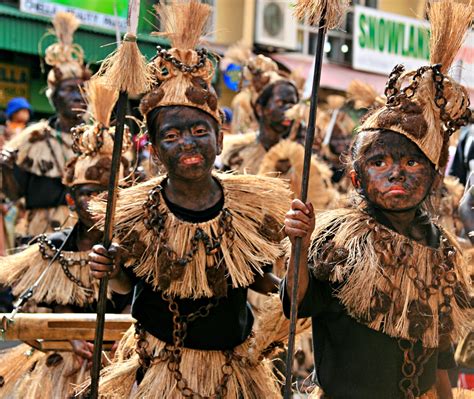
66, 281
386, 308
200, 271
191, 270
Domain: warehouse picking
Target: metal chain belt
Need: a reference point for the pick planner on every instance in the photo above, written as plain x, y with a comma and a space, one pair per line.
173, 355
65, 262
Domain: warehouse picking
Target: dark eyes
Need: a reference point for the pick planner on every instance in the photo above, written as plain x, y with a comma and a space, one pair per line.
200, 131
412, 162
378, 163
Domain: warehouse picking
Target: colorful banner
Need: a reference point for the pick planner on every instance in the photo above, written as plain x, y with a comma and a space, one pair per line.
14, 82
107, 14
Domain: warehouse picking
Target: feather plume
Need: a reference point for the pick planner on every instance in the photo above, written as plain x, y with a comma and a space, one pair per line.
311, 11
449, 23
64, 51
184, 22
101, 100
126, 68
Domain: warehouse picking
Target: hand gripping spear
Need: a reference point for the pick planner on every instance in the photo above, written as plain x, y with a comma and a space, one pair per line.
326, 14
126, 71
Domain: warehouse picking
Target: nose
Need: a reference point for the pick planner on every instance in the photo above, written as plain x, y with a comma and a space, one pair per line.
397, 173
187, 142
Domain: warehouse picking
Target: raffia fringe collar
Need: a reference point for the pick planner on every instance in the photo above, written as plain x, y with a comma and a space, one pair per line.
256, 206
390, 283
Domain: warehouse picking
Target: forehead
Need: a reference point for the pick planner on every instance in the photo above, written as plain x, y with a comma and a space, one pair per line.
67, 83
177, 117
284, 89
394, 144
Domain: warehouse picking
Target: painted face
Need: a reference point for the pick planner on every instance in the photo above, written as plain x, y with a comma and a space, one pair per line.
68, 99
394, 174
339, 142
82, 195
186, 141
284, 96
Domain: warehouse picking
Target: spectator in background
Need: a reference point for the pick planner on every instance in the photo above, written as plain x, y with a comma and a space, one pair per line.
18, 113
463, 163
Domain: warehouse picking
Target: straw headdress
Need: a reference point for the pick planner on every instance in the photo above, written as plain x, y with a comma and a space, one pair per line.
65, 57
427, 105
93, 143
363, 95
183, 74
312, 11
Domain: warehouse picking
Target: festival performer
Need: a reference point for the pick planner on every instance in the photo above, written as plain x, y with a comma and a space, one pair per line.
197, 241
33, 161
386, 287
67, 285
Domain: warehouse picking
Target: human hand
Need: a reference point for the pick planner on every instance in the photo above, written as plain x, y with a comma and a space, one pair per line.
84, 351
104, 262
299, 222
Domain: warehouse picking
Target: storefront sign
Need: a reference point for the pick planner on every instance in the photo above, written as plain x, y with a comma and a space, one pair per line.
14, 82
382, 40
106, 14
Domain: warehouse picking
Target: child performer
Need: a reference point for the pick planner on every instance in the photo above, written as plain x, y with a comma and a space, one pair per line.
385, 286
197, 241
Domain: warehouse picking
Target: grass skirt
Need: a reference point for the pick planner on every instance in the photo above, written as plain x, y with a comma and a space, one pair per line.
251, 376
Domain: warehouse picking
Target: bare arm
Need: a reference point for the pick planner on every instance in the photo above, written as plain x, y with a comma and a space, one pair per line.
299, 222
8, 184
266, 284
443, 385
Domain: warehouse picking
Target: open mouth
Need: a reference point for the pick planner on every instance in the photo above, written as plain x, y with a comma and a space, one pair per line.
193, 159
286, 122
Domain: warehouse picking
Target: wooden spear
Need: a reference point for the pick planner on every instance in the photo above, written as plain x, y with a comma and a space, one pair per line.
325, 14
126, 71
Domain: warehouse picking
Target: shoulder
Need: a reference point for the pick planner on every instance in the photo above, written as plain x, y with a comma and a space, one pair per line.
36, 132
234, 143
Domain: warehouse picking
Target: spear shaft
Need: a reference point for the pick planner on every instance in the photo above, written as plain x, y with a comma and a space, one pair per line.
108, 235
309, 139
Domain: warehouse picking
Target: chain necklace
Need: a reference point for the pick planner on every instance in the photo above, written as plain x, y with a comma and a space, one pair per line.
173, 354
46, 244
172, 266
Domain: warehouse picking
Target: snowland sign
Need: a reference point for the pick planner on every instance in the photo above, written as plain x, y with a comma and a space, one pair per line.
382, 40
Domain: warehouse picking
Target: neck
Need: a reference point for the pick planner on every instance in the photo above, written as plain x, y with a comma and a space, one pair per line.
402, 222
87, 237
196, 194
64, 124
268, 137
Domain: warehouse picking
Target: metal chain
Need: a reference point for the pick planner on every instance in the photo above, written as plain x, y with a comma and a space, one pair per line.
412, 368
451, 125
202, 54
391, 90
174, 355
155, 220
45, 243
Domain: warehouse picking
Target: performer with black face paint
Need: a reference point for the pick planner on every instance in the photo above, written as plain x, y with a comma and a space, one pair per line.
65, 286
32, 163
387, 289
196, 242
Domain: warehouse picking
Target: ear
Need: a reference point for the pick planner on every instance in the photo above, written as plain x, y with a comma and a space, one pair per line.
70, 200
437, 181
258, 111
220, 140
154, 154
355, 180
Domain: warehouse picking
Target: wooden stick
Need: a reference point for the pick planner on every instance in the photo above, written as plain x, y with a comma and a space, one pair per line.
64, 326
108, 235
309, 139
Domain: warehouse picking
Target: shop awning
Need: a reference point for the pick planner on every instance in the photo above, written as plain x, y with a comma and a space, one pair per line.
334, 76
21, 32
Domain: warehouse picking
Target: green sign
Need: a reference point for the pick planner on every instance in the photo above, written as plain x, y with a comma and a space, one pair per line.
382, 40
108, 14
